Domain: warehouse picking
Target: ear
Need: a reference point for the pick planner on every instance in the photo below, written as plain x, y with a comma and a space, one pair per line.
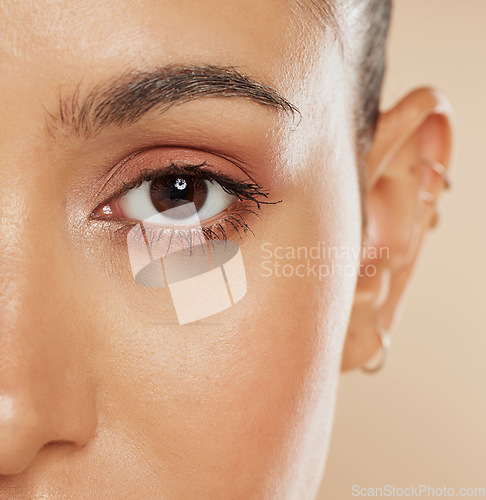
406, 172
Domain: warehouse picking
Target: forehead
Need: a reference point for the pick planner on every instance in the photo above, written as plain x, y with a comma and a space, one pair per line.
52, 49
73, 39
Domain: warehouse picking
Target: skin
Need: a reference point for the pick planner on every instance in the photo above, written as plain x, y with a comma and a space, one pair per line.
102, 393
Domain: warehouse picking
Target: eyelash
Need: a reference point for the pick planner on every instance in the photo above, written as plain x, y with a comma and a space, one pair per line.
247, 193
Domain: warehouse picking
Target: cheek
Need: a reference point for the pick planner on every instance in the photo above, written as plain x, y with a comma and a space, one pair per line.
229, 396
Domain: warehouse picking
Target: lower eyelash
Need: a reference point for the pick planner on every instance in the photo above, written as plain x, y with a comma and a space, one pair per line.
235, 220
187, 238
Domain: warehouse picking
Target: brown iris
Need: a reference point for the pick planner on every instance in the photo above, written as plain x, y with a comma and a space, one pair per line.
175, 190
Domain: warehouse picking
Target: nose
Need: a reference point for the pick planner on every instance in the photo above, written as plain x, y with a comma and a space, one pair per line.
26, 429
47, 394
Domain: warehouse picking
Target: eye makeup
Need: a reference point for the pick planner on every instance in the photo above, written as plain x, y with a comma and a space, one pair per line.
162, 178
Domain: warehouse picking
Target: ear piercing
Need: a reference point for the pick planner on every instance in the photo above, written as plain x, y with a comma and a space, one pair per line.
440, 170
385, 347
426, 196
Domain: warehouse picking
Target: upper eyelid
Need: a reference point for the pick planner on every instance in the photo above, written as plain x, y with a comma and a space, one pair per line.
149, 174
136, 154
200, 171
243, 190
159, 157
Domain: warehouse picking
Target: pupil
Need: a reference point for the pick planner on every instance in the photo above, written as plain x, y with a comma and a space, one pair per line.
173, 191
177, 189
180, 184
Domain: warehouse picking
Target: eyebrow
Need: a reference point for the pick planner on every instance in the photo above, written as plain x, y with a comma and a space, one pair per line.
127, 99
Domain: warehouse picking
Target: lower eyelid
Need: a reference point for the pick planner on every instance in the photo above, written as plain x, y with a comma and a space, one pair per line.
233, 224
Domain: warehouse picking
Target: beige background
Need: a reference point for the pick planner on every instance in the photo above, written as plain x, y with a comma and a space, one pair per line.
423, 420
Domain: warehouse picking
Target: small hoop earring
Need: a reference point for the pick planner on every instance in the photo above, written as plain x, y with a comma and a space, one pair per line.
439, 169
385, 348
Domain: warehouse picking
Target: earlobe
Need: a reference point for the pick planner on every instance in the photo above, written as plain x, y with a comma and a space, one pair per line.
406, 170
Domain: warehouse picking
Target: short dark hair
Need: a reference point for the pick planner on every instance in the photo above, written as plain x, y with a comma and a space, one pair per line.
371, 22
367, 23
362, 29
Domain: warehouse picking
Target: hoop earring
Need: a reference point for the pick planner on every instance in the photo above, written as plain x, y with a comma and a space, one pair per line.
385, 347
439, 169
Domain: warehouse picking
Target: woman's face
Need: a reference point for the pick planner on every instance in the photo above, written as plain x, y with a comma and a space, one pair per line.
103, 392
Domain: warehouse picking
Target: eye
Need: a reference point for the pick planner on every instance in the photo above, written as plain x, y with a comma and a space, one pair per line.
218, 204
171, 191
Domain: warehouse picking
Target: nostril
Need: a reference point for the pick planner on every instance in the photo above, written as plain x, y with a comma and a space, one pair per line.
16, 453
20, 436
26, 428
13, 468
